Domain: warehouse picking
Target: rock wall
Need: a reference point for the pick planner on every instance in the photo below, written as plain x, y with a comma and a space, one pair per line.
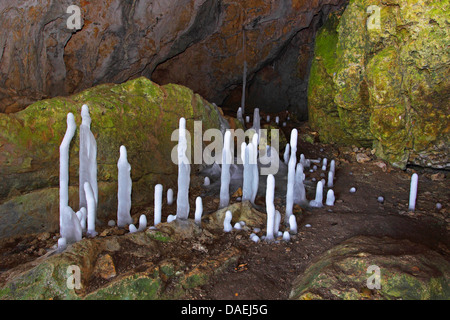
138, 114
385, 87
196, 43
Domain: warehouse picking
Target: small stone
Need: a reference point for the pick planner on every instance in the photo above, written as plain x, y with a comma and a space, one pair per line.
104, 267
438, 176
362, 158
44, 236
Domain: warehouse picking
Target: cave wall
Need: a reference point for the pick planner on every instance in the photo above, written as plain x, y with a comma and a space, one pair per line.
197, 43
385, 87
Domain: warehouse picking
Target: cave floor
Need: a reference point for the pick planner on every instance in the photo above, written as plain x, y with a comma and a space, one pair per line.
266, 271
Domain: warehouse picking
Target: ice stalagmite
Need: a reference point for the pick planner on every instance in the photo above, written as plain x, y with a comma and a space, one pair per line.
71, 230
239, 116
248, 172
324, 164
254, 165
227, 227
317, 202
225, 174
158, 204
286, 154
330, 198
88, 158
64, 169
413, 192
91, 209
330, 179
169, 196
290, 188
256, 122
82, 216
299, 187
124, 189
293, 224
333, 167
142, 222
184, 173
198, 210
270, 207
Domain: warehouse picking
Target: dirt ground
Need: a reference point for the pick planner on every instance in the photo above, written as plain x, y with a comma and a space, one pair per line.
266, 271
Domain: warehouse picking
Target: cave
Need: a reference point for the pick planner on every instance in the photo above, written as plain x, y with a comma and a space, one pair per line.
114, 174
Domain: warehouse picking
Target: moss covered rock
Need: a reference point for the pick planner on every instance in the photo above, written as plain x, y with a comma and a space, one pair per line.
138, 114
407, 271
150, 265
385, 86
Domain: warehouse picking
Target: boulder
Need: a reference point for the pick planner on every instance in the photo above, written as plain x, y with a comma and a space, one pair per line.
407, 271
385, 87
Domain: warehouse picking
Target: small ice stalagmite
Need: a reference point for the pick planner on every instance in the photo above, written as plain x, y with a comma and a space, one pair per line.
170, 196
71, 231
267, 118
330, 198
333, 167
277, 120
124, 189
91, 210
256, 122
198, 210
184, 173
62, 244
82, 216
299, 187
132, 228
330, 179
286, 236
276, 226
64, 169
413, 192
239, 116
286, 154
157, 204
142, 222
206, 182
88, 158
227, 227
290, 188
270, 207
317, 202
324, 164
293, 224
225, 174
247, 119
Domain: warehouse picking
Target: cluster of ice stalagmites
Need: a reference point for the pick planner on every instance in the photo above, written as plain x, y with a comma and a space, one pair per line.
73, 224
